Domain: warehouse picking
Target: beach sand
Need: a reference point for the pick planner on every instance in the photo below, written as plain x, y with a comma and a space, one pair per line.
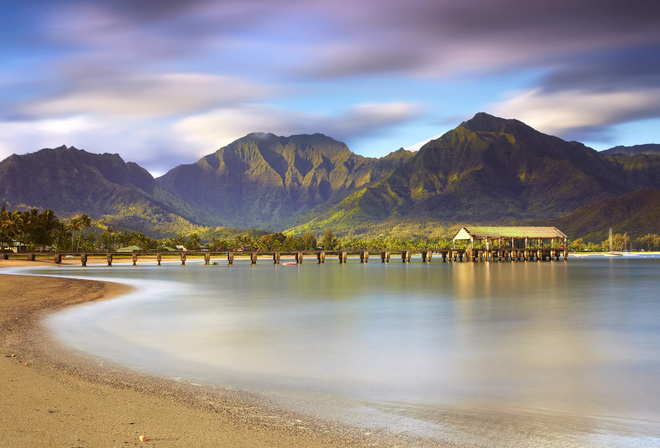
50, 396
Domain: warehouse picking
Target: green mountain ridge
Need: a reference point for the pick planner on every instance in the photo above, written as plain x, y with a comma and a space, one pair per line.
487, 170
72, 181
263, 179
492, 170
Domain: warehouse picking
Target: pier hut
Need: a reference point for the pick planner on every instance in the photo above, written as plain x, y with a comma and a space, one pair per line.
512, 238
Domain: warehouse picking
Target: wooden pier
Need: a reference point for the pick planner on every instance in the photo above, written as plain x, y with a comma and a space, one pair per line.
321, 256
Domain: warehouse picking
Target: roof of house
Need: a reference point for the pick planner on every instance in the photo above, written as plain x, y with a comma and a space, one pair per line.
467, 233
128, 249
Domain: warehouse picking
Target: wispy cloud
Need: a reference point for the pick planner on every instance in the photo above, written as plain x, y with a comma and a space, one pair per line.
579, 114
154, 95
165, 81
240, 120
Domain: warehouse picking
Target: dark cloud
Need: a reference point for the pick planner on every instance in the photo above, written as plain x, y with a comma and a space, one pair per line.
448, 36
637, 68
596, 134
427, 37
582, 98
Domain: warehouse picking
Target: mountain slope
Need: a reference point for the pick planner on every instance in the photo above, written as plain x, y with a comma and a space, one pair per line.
490, 169
71, 181
637, 214
263, 179
648, 149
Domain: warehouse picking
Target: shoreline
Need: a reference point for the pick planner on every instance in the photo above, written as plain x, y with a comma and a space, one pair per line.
65, 398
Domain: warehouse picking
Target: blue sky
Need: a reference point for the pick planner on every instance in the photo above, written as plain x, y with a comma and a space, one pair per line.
164, 82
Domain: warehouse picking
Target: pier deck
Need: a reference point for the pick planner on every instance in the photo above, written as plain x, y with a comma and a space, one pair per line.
321, 256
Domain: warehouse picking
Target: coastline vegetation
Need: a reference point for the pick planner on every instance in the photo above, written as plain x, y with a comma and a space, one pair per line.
34, 231
42, 231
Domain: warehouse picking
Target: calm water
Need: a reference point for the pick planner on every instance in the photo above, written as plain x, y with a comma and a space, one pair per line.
515, 354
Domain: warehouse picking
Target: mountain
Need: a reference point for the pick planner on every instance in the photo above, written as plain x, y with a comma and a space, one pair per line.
263, 179
72, 181
487, 170
648, 149
491, 170
637, 214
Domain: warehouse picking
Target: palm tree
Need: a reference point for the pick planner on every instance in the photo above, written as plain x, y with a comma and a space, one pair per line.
77, 224
11, 225
43, 228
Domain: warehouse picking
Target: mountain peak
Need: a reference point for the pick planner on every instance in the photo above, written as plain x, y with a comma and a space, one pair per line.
483, 122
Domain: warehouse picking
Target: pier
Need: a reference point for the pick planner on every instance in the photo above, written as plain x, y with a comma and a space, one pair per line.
484, 244
319, 256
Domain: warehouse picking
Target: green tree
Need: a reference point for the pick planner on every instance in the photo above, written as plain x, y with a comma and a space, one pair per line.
244, 242
217, 244
44, 229
329, 240
194, 242
648, 242
272, 241
577, 245
618, 243
309, 241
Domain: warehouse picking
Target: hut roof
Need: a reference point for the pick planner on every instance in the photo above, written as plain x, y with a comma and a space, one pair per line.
128, 249
467, 233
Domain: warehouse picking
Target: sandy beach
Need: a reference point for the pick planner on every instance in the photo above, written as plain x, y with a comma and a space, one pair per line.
53, 397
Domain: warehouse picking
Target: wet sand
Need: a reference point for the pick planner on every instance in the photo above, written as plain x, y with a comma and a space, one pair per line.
51, 396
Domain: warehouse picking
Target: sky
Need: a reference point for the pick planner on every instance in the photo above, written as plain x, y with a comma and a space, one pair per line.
165, 82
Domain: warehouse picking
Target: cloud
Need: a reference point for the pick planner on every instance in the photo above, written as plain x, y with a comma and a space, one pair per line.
156, 148
153, 95
346, 38
581, 99
159, 146
636, 68
222, 126
163, 79
441, 38
578, 114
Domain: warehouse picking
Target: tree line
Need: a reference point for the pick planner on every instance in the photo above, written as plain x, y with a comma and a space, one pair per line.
34, 231
620, 242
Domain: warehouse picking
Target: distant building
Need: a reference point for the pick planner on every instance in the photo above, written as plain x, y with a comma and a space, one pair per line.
17, 247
